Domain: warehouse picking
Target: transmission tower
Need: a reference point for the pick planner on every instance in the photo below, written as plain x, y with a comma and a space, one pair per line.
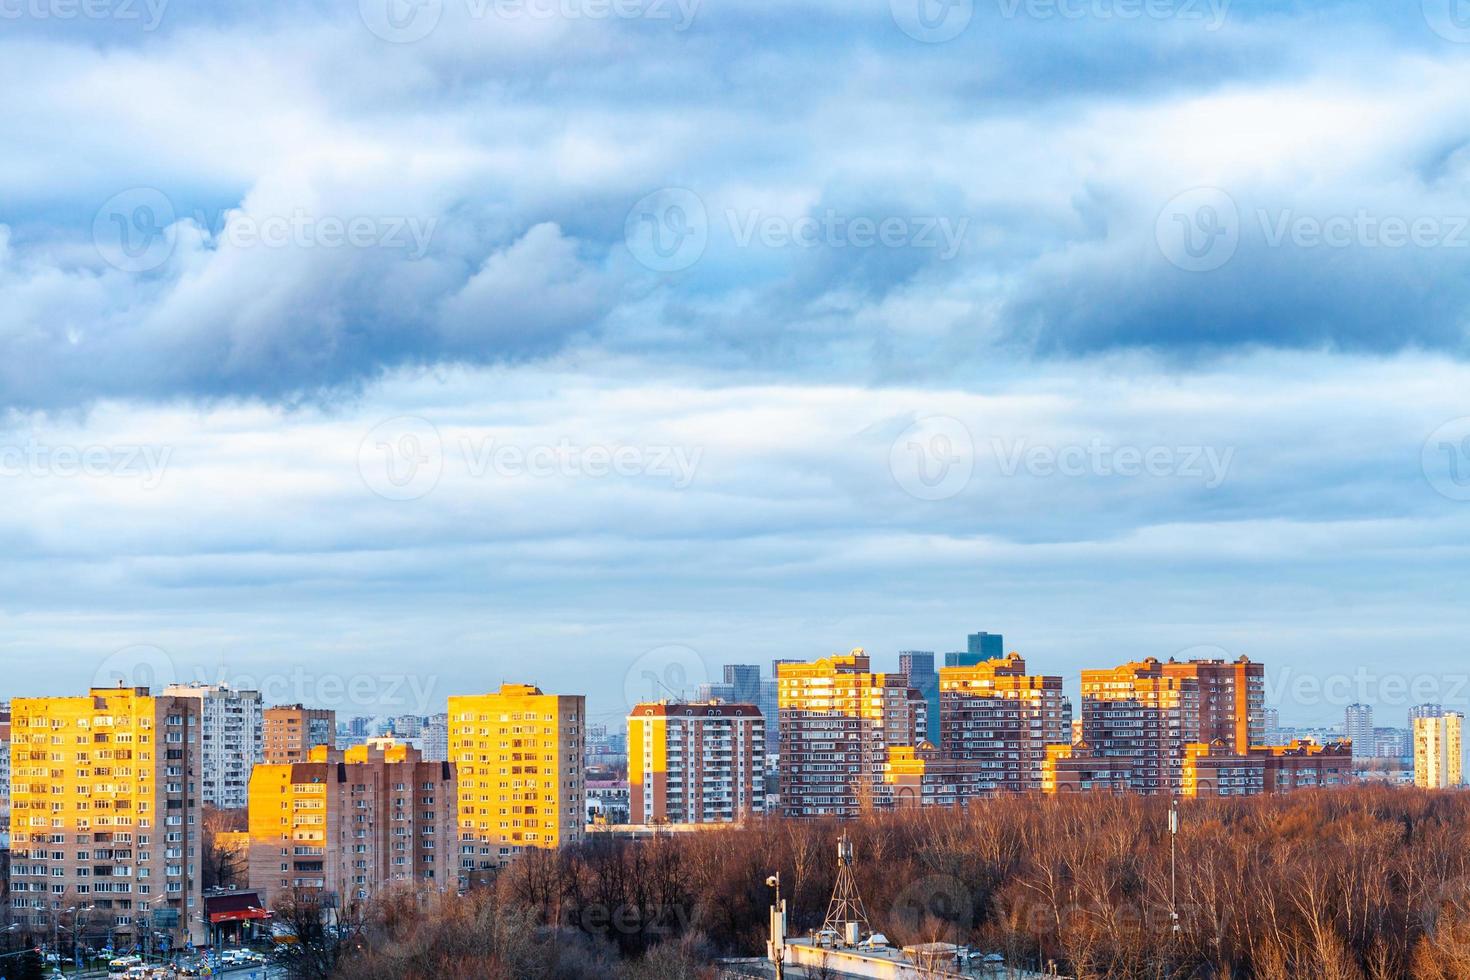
847, 905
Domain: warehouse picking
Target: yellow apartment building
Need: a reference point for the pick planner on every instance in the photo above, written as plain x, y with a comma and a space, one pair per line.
519, 757
104, 821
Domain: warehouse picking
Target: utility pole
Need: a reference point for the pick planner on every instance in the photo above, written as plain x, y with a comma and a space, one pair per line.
1173, 838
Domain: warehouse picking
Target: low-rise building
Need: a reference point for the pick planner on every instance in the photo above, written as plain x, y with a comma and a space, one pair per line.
1076, 768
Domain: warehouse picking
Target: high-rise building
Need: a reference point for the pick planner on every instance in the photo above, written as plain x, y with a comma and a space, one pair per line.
519, 755
838, 720
1273, 726
293, 730
436, 739
233, 739
5, 776
1358, 727
407, 726
986, 646
999, 720
359, 727
105, 801
1426, 711
1149, 711
918, 667
353, 824
1438, 758
695, 762
1140, 713
1232, 701
770, 710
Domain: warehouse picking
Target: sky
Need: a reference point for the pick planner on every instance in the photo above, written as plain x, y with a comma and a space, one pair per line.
372, 352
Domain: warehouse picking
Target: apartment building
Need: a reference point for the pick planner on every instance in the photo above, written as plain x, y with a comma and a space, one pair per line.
233, 734
105, 798
998, 720
1232, 700
436, 739
838, 720
353, 823
1438, 758
1140, 713
519, 755
699, 762
1077, 768
5, 776
1216, 770
292, 731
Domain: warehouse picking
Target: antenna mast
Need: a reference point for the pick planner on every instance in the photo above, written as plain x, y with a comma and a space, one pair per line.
845, 915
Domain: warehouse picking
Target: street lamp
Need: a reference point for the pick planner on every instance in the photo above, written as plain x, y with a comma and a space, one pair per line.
776, 947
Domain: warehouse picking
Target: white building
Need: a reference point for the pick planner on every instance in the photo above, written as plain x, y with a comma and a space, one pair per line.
436, 739
233, 727
1437, 751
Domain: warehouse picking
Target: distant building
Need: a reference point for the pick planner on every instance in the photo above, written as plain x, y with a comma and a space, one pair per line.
1426, 711
1393, 743
695, 762
608, 802
918, 667
1273, 726
1358, 727
233, 740
1438, 758
838, 721
519, 755
293, 730
353, 824
436, 739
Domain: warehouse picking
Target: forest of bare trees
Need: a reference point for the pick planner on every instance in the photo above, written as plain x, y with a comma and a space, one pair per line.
1367, 883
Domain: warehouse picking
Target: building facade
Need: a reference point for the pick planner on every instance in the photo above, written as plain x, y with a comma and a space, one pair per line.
1438, 758
519, 756
1358, 727
998, 720
436, 739
700, 762
1138, 713
838, 721
292, 731
233, 739
350, 825
918, 667
5, 779
105, 800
